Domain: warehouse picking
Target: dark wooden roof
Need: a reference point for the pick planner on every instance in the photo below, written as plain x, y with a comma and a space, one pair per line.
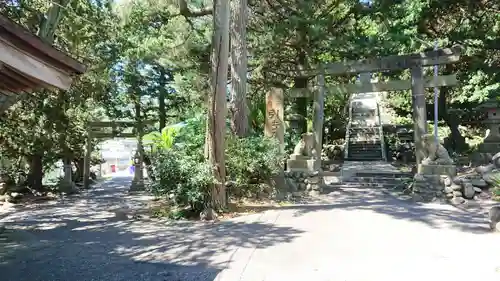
27, 63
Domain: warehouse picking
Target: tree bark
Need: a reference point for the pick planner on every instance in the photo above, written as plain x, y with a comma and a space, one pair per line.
35, 177
46, 32
456, 140
217, 109
49, 25
162, 110
79, 163
239, 66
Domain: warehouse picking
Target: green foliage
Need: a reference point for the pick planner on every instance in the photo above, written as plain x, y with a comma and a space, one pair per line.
181, 178
164, 140
182, 174
252, 162
191, 137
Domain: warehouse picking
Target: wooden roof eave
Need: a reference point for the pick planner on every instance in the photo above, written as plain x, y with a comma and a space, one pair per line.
32, 68
15, 32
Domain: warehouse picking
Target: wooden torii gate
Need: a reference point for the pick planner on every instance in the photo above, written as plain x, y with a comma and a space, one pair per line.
417, 84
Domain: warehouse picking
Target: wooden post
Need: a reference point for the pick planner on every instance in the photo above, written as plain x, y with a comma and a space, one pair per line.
86, 163
419, 110
319, 103
275, 126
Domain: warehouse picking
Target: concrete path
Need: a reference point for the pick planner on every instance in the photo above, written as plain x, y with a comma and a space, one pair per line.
352, 235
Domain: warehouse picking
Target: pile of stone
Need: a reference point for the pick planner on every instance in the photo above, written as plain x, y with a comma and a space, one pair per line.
460, 189
300, 183
491, 172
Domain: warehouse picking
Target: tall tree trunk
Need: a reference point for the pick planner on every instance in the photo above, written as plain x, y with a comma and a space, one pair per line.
457, 141
239, 65
36, 172
49, 25
79, 163
46, 32
162, 110
217, 109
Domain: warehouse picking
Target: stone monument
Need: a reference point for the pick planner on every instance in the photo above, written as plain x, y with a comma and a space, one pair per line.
491, 143
303, 171
437, 160
435, 171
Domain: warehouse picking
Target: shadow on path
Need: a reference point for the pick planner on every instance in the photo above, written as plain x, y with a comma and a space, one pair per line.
434, 215
77, 240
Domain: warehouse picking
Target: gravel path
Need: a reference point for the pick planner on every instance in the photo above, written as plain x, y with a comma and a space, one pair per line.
354, 234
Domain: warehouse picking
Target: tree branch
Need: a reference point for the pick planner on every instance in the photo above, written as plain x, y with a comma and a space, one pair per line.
188, 13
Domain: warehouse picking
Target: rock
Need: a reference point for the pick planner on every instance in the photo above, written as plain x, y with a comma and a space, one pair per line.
314, 174
334, 168
449, 195
490, 178
497, 227
445, 180
496, 160
313, 180
456, 187
457, 193
485, 169
471, 204
479, 183
441, 201
418, 177
494, 217
208, 214
448, 189
10, 199
302, 186
3, 188
315, 187
457, 180
469, 191
297, 194
314, 193
457, 200
477, 189
16, 195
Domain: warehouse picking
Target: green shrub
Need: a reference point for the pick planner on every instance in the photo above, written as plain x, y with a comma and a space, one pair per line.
251, 163
181, 178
